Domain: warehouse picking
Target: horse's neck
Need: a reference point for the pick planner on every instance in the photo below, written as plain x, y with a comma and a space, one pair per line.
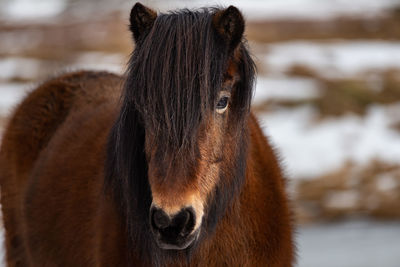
229, 244
259, 216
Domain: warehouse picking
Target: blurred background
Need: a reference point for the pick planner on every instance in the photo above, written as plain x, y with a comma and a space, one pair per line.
327, 95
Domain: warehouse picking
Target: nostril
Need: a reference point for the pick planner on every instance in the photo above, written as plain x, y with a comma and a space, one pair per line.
181, 219
160, 219
184, 221
192, 219
172, 229
188, 216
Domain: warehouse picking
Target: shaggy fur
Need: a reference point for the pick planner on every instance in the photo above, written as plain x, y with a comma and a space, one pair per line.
75, 160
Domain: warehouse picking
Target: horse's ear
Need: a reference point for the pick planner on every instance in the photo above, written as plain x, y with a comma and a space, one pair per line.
229, 24
141, 20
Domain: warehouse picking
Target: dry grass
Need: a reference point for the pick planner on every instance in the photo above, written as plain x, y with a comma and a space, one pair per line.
387, 28
373, 197
302, 71
342, 96
60, 41
396, 126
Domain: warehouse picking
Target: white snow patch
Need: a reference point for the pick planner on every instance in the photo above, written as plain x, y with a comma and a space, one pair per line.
284, 89
334, 60
11, 95
101, 61
347, 199
12, 67
386, 182
29, 9
312, 148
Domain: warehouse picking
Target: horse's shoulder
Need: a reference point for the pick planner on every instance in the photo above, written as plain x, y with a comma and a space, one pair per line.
46, 108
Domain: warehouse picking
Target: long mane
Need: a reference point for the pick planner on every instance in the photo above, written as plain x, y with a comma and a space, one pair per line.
174, 76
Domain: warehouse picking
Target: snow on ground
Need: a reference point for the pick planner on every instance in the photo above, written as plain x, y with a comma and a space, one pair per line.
25, 68
33, 69
313, 148
351, 244
283, 88
310, 148
101, 61
336, 59
11, 95
28, 9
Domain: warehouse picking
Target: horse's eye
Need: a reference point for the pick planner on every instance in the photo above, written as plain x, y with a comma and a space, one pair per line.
222, 104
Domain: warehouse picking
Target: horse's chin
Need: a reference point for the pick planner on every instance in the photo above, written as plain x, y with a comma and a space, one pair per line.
181, 245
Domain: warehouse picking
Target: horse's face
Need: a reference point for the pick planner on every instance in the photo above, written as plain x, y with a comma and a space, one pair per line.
182, 182
181, 185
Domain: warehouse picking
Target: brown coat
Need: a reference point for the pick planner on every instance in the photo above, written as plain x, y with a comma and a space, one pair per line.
52, 172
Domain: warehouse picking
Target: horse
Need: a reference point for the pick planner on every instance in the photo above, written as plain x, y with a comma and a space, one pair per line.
163, 166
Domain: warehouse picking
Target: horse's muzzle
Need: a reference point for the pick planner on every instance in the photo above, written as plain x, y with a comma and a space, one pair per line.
173, 232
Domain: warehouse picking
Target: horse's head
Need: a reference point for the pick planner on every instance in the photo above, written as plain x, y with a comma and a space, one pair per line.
189, 81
